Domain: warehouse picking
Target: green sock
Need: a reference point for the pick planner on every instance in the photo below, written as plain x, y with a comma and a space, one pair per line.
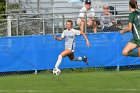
133, 54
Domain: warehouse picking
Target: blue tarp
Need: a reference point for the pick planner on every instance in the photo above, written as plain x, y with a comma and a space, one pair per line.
41, 52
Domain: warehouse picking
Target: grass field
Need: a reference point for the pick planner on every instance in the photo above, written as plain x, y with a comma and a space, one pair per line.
84, 82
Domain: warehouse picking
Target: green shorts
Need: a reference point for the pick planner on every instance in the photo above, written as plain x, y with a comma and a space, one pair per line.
135, 41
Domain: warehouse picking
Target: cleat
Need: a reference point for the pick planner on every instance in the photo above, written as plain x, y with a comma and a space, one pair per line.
85, 60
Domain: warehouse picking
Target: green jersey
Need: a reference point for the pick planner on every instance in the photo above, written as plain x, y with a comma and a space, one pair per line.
134, 18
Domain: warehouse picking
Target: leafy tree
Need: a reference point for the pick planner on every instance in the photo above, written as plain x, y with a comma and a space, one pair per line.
2, 7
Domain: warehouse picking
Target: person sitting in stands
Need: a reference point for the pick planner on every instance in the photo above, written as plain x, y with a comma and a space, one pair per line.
89, 12
106, 20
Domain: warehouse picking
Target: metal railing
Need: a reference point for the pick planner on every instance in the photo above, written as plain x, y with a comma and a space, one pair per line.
37, 24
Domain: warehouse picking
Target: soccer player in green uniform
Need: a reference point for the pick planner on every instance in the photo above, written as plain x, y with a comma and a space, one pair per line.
134, 26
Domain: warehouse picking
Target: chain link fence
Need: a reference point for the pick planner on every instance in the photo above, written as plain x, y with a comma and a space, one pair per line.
45, 26
40, 25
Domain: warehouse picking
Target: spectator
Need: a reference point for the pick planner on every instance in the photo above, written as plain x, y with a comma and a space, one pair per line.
89, 12
108, 22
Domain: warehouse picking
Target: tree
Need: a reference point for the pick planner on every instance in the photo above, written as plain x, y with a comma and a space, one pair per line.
2, 7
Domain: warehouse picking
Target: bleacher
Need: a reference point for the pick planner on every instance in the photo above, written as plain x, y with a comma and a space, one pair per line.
54, 13
70, 7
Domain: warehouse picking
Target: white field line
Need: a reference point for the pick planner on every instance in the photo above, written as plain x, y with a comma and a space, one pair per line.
24, 91
35, 91
119, 89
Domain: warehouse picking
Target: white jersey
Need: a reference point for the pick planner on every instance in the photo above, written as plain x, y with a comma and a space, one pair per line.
69, 36
90, 14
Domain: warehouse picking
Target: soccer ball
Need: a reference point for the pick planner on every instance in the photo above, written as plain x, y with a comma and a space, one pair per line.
56, 71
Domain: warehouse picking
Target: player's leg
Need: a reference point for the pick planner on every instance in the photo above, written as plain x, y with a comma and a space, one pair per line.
63, 54
128, 50
72, 58
138, 45
66, 52
139, 51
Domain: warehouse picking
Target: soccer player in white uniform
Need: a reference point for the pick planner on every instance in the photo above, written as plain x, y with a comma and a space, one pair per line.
70, 34
88, 11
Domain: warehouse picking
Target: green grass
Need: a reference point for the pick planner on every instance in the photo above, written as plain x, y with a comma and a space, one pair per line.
72, 82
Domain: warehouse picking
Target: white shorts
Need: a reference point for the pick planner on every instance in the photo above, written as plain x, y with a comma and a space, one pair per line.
71, 49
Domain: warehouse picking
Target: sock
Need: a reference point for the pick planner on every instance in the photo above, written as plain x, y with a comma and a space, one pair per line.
133, 54
78, 59
58, 61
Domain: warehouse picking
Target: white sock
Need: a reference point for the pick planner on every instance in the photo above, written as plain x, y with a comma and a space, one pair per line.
78, 59
58, 61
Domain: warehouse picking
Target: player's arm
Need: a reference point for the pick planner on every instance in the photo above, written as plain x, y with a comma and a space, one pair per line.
130, 24
57, 38
85, 36
129, 28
